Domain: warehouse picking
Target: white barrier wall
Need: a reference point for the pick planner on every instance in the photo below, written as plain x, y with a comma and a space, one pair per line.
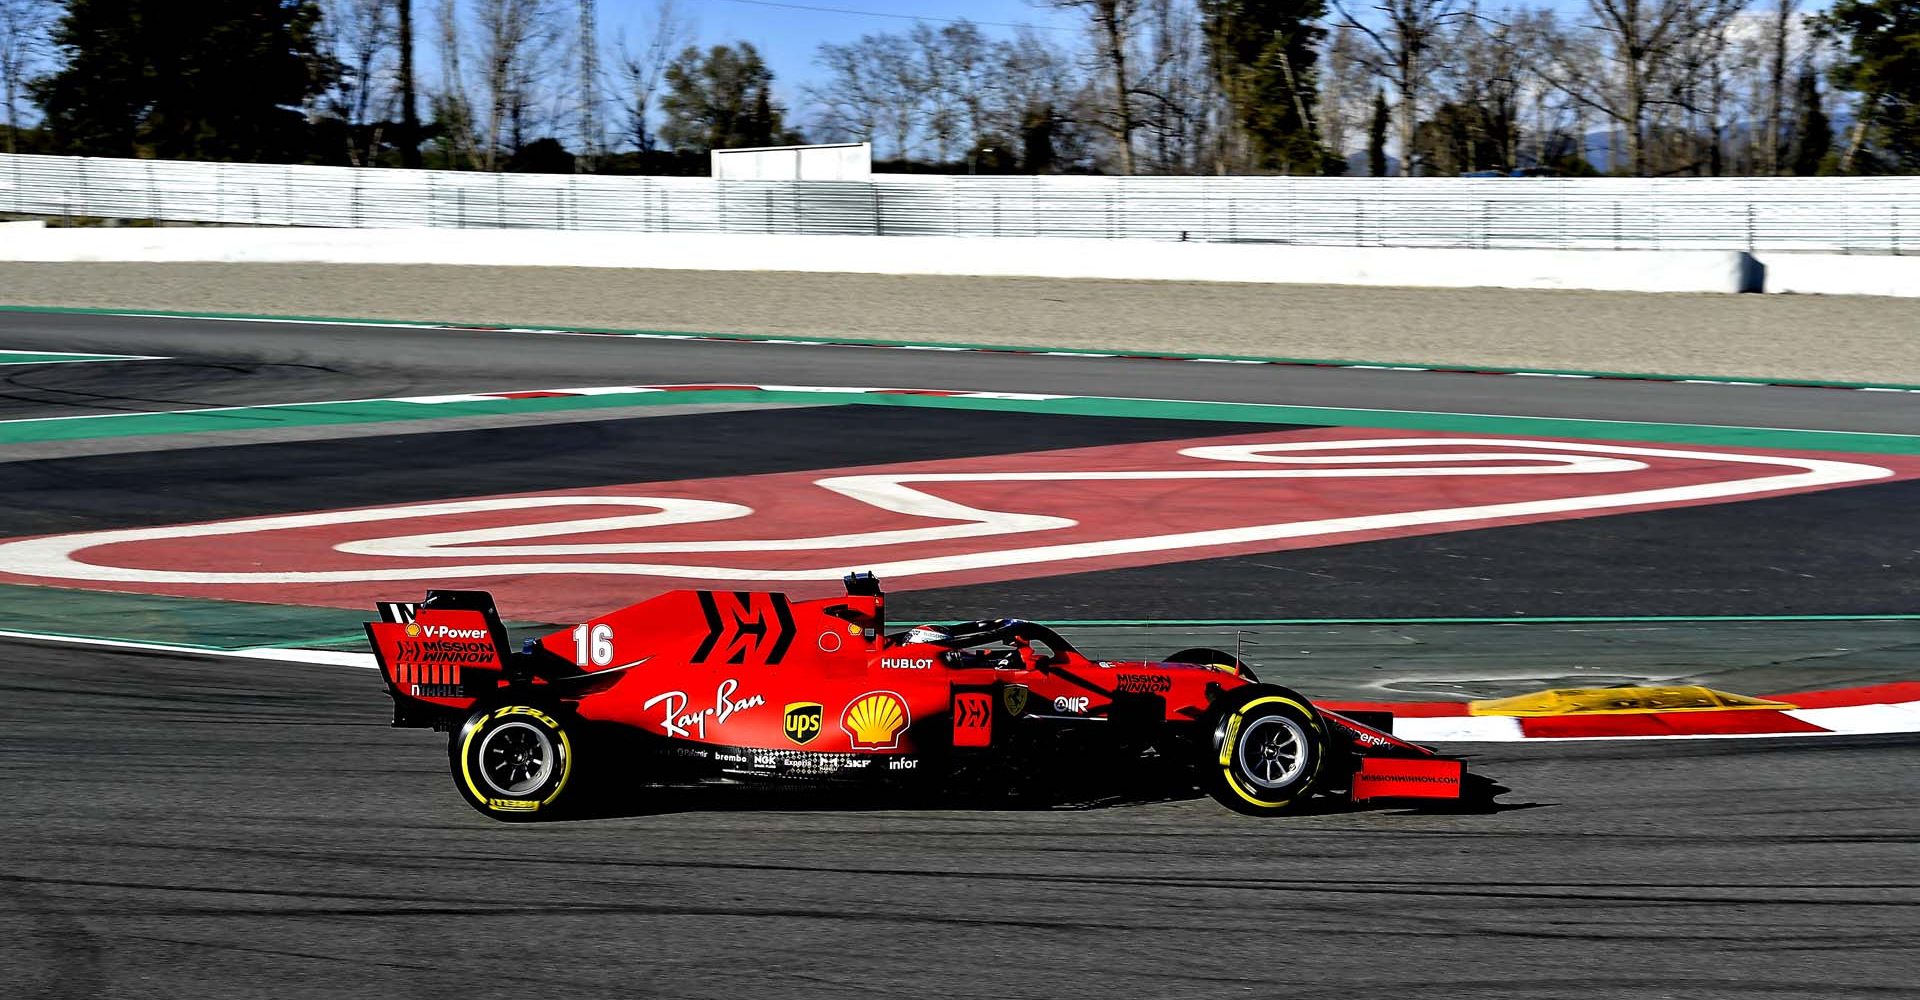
1755, 214
1843, 274
1625, 270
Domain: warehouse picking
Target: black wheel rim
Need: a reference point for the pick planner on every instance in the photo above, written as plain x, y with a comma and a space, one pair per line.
516, 758
1273, 751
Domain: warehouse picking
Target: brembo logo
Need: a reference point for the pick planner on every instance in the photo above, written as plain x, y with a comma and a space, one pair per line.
444, 632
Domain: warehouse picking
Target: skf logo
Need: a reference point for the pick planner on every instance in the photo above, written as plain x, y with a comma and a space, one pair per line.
413, 630
1077, 706
875, 720
1014, 696
803, 722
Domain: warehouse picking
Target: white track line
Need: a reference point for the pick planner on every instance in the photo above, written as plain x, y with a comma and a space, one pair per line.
68, 358
1003, 349
323, 657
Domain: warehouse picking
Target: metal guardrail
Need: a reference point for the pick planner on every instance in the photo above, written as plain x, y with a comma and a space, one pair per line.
1846, 214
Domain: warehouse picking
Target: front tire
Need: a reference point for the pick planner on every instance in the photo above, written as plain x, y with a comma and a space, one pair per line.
512, 763
1268, 749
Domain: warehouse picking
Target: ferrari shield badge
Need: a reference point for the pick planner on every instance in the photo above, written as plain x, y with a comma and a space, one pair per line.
1014, 696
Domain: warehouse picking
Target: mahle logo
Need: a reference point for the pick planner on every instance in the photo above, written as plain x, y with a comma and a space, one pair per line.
802, 721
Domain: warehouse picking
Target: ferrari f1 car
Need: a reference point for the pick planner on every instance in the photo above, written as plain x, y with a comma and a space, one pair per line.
695, 686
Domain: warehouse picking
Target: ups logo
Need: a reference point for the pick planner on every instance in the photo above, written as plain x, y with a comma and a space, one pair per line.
802, 722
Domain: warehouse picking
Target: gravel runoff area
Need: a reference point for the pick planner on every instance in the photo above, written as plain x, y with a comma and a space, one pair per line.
1774, 336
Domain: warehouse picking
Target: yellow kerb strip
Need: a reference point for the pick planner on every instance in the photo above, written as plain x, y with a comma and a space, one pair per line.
1620, 701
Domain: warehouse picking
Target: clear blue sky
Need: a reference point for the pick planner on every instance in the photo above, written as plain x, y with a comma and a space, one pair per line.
789, 36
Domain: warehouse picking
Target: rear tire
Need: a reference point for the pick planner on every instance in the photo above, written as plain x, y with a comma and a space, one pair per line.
1268, 748
513, 763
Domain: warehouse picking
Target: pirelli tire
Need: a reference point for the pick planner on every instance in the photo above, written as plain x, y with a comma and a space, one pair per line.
515, 763
1267, 750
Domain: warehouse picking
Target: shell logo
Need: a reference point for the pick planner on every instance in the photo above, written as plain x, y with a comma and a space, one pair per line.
875, 720
413, 630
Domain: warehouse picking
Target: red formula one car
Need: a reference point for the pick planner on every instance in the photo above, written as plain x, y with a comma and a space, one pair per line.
711, 685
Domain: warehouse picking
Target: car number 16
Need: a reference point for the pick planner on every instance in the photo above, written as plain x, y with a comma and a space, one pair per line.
593, 645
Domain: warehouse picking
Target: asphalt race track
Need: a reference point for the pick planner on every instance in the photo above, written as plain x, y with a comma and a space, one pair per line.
180, 825
231, 364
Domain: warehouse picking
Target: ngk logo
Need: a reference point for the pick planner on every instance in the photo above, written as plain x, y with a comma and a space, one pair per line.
444, 632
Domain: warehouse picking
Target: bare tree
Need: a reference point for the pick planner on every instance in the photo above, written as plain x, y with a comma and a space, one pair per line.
852, 103
1113, 23
1037, 103
362, 36
23, 40
955, 93
452, 103
970, 70
1345, 97
956, 75
940, 91
1552, 124
1700, 105
517, 40
1782, 26
1402, 54
409, 99
876, 87
1486, 83
641, 71
589, 45
1178, 98
1629, 62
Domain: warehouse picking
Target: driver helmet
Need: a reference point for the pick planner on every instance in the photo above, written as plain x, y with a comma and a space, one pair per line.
936, 634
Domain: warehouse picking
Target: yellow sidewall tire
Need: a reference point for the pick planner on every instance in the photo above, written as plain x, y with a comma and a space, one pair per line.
1222, 774
540, 802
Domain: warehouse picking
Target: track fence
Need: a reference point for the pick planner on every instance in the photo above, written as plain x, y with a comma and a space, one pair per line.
1877, 215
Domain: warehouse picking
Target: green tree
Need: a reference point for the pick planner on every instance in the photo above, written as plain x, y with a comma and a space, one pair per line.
1462, 137
1812, 132
409, 138
721, 98
1038, 131
207, 80
1881, 64
1264, 54
1377, 135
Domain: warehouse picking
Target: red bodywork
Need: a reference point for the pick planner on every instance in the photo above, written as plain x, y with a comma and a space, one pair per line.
738, 672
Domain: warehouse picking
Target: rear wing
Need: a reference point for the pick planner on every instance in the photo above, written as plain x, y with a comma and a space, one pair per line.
441, 656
